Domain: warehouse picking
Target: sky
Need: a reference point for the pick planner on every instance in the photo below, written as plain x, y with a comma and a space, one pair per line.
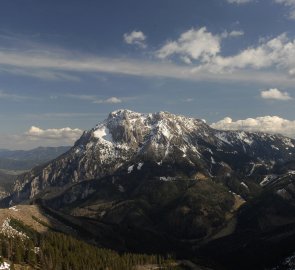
66, 64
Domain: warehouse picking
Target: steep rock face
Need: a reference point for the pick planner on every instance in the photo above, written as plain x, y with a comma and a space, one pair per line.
177, 146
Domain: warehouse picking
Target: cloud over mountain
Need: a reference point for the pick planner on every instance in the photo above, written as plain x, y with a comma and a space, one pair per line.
54, 133
269, 124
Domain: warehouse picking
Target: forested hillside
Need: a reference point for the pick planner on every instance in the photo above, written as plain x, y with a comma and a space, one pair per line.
19, 244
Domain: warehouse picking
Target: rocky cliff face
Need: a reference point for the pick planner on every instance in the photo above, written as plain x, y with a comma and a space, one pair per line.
176, 146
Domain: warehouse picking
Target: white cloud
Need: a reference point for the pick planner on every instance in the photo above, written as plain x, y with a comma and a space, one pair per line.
36, 136
278, 52
238, 1
97, 100
194, 44
54, 133
268, 124
235, 33
135, 38
111, 100
275, 93
290, 4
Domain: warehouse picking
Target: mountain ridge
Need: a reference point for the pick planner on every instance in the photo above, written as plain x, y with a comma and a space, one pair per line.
127, 139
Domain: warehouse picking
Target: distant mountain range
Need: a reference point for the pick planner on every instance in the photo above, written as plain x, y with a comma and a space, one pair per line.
14, 162
168, 183
27, 159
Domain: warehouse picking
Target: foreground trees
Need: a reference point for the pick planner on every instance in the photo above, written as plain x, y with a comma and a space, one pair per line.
56, 251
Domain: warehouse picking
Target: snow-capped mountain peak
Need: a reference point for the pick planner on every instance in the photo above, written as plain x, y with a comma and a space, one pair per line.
182, 143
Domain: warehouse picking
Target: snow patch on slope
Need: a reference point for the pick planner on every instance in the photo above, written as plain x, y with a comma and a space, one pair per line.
8, 231
139, 166
130, 169
222, 136
4, 266
103, 133
267, 179
167, 178
244, 137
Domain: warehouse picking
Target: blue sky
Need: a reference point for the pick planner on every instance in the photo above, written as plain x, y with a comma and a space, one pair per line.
64, 65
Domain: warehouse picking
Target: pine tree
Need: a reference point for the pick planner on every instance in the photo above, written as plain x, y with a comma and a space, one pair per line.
17, 256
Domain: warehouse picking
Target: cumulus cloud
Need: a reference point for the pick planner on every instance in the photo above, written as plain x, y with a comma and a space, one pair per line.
278, 51
275, 93
290, 4
135, 38
194, 44
268, 124
238, 1
37, 136
54, 133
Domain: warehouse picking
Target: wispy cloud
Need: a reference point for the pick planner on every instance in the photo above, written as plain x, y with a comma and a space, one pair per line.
275, 94
290, 4
271, 61
235, 33
97, 100
111, 100
188, 100
49, 75
14, 97
97, 116
238, 1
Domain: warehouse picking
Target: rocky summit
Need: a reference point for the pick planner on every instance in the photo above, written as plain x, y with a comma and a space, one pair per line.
175, 146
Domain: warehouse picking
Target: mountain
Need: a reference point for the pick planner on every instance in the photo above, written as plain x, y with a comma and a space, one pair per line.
27, 159
173, 147
168, 183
